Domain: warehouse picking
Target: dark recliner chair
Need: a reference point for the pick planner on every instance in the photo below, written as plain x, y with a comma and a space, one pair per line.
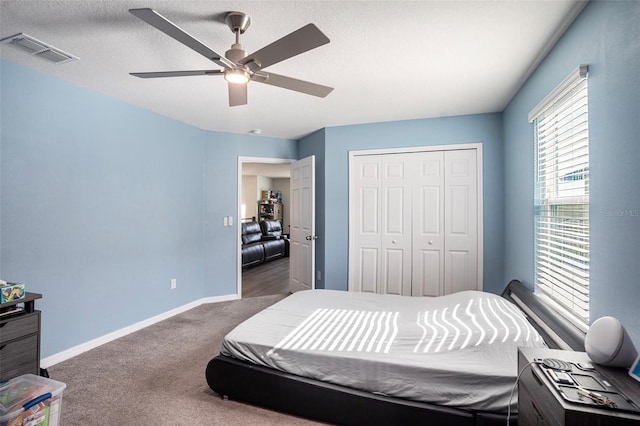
252, 248
275, 245
271, 228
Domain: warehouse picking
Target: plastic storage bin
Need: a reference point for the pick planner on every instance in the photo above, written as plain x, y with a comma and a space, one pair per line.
30, 400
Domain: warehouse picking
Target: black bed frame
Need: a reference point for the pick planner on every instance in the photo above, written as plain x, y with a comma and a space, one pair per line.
326, 402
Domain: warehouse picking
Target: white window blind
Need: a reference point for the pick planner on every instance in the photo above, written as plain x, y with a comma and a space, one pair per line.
562, 197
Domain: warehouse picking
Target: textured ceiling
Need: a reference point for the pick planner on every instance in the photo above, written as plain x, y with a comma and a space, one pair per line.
387, 60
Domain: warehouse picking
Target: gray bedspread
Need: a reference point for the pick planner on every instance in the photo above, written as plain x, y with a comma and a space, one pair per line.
458, 350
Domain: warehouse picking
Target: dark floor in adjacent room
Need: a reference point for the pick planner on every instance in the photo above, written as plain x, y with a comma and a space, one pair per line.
267, 278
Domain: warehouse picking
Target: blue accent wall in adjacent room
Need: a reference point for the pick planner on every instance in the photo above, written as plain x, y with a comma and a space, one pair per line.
606, 36
483, 128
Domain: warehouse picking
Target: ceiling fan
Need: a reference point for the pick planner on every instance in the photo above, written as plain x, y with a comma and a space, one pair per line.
240, 68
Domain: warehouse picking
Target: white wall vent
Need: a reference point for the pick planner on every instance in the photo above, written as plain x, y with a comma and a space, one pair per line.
37, 48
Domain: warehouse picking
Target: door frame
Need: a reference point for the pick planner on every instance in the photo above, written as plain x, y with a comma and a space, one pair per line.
452, 147
241, 160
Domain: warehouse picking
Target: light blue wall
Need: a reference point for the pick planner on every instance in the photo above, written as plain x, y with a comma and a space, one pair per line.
221, 197
606, 36
103, 203
484, 128
101, 207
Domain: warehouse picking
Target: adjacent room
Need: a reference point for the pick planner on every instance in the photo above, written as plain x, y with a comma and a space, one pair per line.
322, 212
264, 212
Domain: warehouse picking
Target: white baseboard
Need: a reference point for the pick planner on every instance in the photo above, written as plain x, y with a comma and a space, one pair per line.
91, 344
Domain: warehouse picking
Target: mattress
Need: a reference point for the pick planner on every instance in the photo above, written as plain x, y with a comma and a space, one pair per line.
458, 350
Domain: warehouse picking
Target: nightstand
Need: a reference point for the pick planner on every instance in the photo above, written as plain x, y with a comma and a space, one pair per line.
541, 403
19, 338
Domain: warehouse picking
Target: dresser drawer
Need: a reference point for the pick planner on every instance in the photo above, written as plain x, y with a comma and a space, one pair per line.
535, 409
537, 400
19, 357
16, 327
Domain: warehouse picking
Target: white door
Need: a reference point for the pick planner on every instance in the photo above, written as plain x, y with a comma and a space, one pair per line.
413, 223
302, 238
461, 221
364, 233
382, 255
428, 225
395, 275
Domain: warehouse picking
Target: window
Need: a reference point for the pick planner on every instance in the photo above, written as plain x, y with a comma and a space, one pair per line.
562, 198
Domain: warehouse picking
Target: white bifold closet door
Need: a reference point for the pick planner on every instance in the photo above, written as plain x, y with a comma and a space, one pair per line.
414, 224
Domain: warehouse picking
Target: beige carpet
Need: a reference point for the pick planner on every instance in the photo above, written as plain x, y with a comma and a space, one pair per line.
156, 376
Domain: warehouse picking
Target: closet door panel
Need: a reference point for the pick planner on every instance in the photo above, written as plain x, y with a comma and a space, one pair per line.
458, 272
430, 207
369, 236
461, 223
427, 274
428, 225
368, 270
394, 272
369, 201
394, 214
458, 211
396, 219
365, 267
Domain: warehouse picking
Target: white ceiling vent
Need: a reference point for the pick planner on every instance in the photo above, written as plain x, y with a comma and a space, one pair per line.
38, 48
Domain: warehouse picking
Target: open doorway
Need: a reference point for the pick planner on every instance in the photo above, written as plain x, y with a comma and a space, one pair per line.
264, 207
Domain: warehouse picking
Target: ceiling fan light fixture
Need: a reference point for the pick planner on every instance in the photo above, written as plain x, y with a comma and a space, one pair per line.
236, 76
238, 68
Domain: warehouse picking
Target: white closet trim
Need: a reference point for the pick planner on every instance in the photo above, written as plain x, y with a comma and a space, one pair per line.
381, 151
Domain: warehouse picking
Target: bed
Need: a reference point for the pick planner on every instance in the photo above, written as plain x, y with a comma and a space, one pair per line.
361, 358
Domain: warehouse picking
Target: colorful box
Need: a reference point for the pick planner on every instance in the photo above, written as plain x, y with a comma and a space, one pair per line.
31, 400
10, 292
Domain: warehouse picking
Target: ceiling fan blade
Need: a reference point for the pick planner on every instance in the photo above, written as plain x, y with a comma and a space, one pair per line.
175, 73
237, 94
304, 39
158, 21
292, 84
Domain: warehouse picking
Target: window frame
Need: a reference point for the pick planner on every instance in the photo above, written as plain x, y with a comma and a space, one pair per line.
561, 254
